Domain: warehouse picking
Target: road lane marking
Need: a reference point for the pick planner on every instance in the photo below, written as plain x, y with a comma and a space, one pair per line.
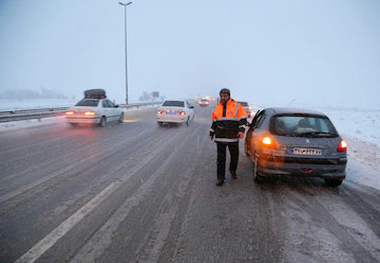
46, 243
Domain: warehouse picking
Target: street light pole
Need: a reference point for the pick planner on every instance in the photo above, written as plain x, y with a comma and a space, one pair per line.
126, 64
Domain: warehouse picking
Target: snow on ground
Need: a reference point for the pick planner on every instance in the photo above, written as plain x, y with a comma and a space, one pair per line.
7, 105
360, 128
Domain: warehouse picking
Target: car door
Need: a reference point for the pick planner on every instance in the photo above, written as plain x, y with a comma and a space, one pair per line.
253, 134
252, 125
114, 111
108, 110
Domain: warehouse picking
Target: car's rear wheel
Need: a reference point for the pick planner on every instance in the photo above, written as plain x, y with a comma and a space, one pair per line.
121, 119
160, 124
333, 182
188, 122
103, 121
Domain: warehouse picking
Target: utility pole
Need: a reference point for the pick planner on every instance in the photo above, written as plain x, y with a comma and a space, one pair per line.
126, 61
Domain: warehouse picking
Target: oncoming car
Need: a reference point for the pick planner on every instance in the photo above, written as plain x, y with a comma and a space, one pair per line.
295, 142
175, 111
203, 102
246, 108
94, 109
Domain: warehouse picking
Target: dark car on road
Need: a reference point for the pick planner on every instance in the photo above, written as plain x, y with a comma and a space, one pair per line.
295, 142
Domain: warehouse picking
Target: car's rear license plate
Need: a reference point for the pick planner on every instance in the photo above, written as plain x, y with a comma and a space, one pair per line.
171, 112
307, 151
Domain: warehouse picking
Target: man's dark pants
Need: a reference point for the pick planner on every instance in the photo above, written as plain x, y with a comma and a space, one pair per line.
233, 147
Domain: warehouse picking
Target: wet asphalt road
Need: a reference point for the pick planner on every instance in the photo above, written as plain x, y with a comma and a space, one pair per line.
136, 192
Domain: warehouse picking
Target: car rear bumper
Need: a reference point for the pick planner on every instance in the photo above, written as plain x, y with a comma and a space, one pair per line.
172, 119
80, 120
302, 169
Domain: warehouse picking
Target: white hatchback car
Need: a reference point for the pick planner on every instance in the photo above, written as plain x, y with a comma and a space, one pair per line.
95, 112
175, 111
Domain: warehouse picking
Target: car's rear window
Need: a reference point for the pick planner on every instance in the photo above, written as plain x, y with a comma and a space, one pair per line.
88, 103
174, 103
302, 126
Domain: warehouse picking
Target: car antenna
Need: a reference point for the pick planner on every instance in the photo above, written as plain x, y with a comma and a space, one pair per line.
293, 100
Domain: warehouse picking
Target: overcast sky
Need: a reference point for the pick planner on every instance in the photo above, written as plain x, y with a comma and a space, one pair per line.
296, 51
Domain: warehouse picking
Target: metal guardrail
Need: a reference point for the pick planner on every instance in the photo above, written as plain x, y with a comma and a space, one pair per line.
138, 105
18, 115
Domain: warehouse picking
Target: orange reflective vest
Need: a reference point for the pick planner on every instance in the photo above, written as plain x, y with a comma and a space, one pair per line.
228, 121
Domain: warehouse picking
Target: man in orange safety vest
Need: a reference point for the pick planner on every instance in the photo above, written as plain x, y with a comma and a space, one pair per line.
228, 126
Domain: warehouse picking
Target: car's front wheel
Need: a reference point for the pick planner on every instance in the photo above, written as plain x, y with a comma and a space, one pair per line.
103, 121
121, 119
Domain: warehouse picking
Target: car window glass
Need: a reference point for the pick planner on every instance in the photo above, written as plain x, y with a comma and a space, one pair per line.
260, 119
88, 103
303, 126
105, 104
174, 103
255, 119
111, 104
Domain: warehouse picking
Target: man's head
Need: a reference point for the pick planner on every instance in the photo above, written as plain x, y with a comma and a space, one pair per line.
224, 95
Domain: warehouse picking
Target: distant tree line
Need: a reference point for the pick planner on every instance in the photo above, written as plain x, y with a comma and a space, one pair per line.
27, 94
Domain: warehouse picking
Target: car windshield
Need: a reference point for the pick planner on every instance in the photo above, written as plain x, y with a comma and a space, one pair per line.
302, 126
88, 103
174, 103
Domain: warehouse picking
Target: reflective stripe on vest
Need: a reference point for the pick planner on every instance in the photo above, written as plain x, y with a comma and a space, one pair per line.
226, 140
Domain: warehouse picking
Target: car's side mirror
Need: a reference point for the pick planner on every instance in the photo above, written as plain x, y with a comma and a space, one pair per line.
116, 106
191, 107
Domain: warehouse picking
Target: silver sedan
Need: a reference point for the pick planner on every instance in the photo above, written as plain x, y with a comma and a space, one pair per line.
295, 142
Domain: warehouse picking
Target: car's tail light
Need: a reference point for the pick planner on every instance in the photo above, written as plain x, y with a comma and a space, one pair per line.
182, 113
269, 142
69, 112
342, 147
89, 113
160, 112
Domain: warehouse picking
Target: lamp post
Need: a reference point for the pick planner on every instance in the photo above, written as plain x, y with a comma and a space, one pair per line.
126, 65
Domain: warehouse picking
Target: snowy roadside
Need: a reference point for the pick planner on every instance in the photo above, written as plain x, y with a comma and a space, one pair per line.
363, 165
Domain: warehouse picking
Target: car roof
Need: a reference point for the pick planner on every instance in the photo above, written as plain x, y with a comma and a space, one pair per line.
285, 110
